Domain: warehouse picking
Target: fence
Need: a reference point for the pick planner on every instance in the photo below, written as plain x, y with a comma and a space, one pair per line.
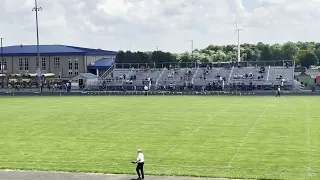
163, 93
289, 63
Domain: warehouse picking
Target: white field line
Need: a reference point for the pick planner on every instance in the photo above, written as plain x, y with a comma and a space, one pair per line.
245, 139
155, 165
139, 131
152, 124
195, 130
218, 167
308, 140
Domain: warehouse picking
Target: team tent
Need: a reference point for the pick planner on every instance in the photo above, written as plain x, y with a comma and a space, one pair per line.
84, 79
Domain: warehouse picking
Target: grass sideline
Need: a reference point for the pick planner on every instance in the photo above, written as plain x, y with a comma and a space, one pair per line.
229, 137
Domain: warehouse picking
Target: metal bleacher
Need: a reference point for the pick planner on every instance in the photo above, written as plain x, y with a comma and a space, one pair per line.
209, 75
176, 76
200, 76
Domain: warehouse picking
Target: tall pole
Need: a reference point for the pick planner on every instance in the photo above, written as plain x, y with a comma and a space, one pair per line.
2, 65
238, 45
36, 9
157, 55
192, 50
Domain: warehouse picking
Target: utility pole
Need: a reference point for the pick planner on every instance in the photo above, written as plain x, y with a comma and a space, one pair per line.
157, 56
192, 50
2, 65
36, 9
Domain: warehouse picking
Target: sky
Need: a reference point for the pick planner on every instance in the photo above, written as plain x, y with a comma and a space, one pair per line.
169, 25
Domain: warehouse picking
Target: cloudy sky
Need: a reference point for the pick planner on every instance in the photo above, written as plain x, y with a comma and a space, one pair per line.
169, 24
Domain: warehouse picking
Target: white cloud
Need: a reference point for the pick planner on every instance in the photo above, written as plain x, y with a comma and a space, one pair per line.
169, 24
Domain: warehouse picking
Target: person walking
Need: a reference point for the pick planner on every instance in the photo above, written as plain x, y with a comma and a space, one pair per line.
140, 164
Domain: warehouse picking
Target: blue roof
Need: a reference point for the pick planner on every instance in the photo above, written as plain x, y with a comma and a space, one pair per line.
51, 50
103, 63
94, 51
88, 75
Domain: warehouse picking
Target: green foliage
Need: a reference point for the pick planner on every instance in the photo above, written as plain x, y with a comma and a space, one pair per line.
249, 52
307, 58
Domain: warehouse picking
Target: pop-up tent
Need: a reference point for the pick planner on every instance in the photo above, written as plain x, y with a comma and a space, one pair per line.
318, 79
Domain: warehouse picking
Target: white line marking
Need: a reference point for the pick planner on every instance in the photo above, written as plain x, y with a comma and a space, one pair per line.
245, 139
137, 132
195, 130
152, 124
308, 139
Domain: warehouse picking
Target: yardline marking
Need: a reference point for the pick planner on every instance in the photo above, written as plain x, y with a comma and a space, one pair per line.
150, 165
195, 130
154, 123
245, 139
308, 139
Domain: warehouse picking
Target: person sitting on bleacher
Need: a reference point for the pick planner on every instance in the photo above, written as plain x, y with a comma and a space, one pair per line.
235, 76
260, 77
262, 70
279, 76
286, 64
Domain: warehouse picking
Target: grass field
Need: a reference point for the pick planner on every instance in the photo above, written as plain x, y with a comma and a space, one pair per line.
236, 137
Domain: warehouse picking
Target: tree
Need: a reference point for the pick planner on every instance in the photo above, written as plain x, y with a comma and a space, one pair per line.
249, 52
317, 53
276, 52
120, 57
219, 56
265, 52
289, 50
307, 58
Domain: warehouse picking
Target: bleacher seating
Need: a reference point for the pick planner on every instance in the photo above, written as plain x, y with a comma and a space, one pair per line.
201, 76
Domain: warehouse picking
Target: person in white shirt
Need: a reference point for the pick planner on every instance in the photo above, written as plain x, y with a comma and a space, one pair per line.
140, 164
278, 91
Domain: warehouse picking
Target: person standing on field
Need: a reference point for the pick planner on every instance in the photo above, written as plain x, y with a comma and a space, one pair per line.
278, 91
140, 164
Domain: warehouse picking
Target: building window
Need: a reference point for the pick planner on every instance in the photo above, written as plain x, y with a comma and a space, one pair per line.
26, 64
76, 73
70, 64
70, 73
76, 65
56, 63
43, 63
20, 64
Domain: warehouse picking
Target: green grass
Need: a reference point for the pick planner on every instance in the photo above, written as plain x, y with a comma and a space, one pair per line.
242, 137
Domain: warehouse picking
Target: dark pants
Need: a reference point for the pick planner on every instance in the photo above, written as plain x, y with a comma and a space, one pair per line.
278, 94
140, 168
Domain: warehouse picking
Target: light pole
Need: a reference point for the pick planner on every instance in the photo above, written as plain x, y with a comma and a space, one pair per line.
191, 50
36, 9
2, 65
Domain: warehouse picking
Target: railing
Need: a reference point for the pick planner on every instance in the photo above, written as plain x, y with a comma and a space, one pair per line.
229, 64
107, 73
268, 73
230, 74
194, 75
159, 77
129, 73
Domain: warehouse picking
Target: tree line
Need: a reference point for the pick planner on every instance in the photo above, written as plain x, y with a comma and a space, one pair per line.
305, 54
